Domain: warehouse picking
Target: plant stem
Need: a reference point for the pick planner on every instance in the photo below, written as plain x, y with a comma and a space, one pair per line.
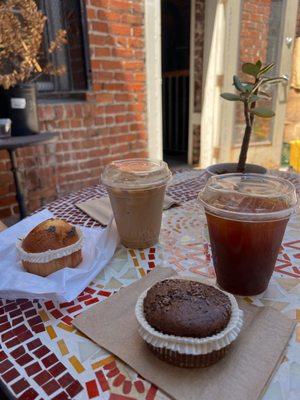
246, 138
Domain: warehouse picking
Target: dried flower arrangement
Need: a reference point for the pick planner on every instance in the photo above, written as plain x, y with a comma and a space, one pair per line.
21, 33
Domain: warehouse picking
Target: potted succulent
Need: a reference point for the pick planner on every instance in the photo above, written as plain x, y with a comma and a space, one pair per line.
249, 93
21, 62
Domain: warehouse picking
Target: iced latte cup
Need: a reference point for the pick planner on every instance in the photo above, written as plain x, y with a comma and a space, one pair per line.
136, 188
246, 216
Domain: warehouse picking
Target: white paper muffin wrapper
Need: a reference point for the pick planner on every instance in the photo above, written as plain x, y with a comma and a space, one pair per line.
188, 345
50, 255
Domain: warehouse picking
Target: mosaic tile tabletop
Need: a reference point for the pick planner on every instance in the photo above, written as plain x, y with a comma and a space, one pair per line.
42, 356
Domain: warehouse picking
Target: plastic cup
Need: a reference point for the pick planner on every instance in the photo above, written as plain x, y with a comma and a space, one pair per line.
136, 188
246, 216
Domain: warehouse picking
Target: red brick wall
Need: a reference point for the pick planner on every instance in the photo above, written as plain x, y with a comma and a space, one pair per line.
109, 124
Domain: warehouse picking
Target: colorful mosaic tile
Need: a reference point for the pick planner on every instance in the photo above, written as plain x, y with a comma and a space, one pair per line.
43, 356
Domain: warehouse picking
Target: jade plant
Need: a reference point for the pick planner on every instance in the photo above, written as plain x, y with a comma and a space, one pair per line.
250, 93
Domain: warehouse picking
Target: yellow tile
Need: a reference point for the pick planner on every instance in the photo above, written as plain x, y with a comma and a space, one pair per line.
298, 334
80, 334
62, 347
76, 364
66, 327
135, 262
142, 254
142, 272
298, 315
44, 316
100, 364
132, 252
51, 332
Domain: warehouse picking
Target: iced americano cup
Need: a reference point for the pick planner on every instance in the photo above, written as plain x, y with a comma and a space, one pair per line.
136, 188
246, 216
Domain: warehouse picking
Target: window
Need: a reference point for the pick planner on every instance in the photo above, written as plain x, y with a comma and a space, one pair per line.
71, 16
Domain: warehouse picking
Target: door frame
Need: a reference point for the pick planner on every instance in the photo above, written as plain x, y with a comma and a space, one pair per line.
153, 78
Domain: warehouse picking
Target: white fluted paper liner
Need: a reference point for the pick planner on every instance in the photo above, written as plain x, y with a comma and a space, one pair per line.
188, 345
50, 255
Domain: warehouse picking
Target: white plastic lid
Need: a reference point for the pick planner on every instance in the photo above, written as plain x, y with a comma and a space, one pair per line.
249, 196
136, 173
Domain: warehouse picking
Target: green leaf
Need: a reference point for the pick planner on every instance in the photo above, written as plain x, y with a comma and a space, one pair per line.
266, 69
258, 64
231, 97
250, 69
238, 84
248, 86
263, 112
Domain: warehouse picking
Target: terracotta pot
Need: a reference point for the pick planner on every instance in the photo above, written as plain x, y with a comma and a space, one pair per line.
228, 168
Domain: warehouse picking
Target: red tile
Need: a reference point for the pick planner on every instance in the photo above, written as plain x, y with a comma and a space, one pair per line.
91, 301
102, 381
7, 335
42, 378
57, 369
74, 389
5, 365
151, 264
34, 320
85, 297
91, 387
111, 365
20, 329
19, 386
61, 396
74, 308
49, 360
113, 372
25, 336
56, 314
66, 380
119, 380
10, 375
2, 311
17, 321
68, 320
34, 344
3, 319
104, 293
12, 343
15, 313
30, 394
3, 356
89, 290
20, 301
26, 305
140, 387
49, 305
38, 328
18, 352
127, 387
41, 352
33, 369
151, 393
30, 313
10, 307
66, 304
51, 387
4, 326
151, 256
152, 250
25, 359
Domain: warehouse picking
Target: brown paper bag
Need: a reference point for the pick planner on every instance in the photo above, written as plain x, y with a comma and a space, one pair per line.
242, 374
100, 209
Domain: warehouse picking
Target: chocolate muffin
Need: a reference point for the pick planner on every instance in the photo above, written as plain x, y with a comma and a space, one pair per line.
187, 323
186, 308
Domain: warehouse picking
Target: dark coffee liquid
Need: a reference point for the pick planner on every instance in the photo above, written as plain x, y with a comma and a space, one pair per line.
244, 253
